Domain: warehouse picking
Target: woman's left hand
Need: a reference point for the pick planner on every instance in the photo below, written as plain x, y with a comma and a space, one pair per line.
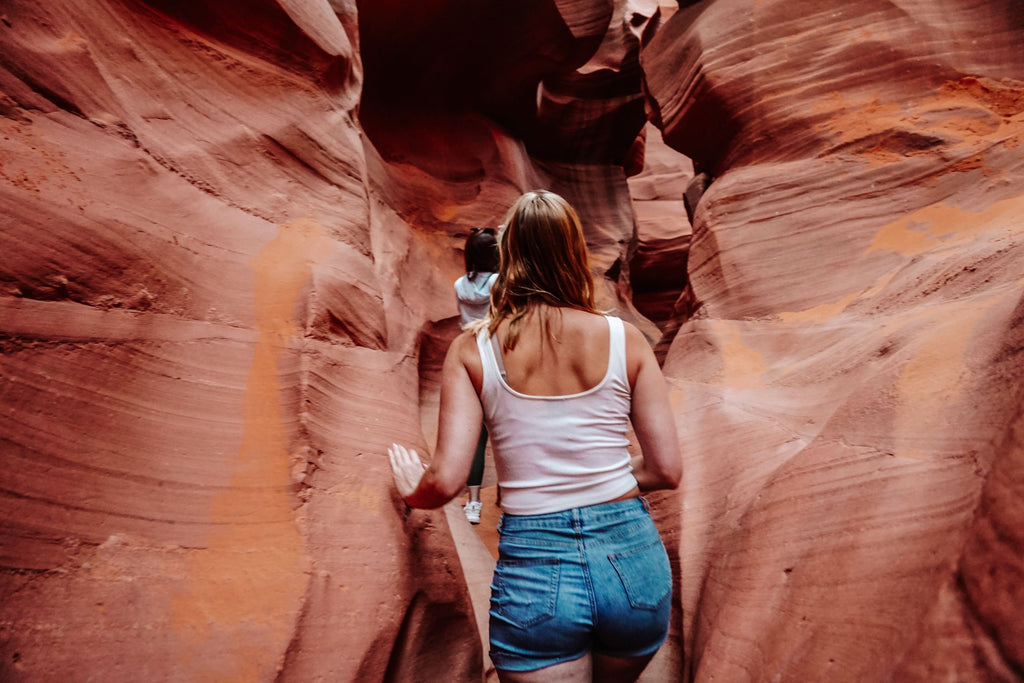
407, 469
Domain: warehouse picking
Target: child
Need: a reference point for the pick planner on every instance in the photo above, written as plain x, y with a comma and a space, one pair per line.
473, 292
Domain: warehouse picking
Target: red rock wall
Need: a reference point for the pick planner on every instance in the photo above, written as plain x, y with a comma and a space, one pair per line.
221, 259
848, 394
206, 348
229, 235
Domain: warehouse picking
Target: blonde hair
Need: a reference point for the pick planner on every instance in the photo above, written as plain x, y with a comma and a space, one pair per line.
543, 261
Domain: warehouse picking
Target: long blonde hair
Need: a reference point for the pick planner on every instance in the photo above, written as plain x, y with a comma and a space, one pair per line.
543, 261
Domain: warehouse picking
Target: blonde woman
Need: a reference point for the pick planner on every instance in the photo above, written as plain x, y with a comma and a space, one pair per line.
582, 588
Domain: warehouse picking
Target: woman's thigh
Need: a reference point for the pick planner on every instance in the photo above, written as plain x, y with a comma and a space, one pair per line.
576, 671
590, 668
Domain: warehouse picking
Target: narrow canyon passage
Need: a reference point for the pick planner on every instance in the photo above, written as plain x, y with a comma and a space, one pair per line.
229, 236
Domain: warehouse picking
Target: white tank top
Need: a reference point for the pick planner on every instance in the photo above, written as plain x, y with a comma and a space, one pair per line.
553, 453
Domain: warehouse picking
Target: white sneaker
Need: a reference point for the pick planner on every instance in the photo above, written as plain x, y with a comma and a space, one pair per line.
472, 510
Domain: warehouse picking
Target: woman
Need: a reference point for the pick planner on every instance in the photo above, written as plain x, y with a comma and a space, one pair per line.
582, 588
473, 295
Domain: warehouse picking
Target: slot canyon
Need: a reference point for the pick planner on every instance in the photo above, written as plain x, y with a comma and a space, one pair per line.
228, 238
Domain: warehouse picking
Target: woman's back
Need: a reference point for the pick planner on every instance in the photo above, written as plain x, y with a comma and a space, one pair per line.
559, 433
560, 352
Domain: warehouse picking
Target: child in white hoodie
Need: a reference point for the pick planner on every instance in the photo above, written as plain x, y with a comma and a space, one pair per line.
473, 292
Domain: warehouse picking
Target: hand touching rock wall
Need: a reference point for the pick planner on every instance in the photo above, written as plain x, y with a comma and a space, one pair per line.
230, 229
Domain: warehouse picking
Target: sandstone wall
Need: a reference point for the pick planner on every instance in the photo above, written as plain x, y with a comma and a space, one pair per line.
223, 249
228, 240
849, 391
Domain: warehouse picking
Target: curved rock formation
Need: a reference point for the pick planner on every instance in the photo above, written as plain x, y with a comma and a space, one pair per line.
847, 391
229, 235
205, 350
221, 261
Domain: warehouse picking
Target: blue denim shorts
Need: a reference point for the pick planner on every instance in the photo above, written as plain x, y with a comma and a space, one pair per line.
589, 579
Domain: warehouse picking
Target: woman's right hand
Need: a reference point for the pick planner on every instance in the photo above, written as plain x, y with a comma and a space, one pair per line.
407, 469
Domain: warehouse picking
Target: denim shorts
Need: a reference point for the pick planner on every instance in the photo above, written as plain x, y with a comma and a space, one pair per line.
589, 579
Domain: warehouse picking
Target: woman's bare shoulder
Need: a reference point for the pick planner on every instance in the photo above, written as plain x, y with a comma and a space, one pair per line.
464, 343
584, 319
464, 350
463, 353
633, 333
638, 350
636, 340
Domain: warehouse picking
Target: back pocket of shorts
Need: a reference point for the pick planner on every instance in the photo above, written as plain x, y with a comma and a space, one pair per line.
525, 592
645, 574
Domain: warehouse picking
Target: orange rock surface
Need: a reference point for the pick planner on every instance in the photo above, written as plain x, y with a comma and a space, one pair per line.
849, 392
228, 239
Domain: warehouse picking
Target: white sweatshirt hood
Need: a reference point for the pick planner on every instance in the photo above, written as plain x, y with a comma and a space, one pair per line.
475, 291
474, 296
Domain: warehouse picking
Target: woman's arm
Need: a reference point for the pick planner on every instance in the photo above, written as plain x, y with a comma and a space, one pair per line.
661, 466
459, 422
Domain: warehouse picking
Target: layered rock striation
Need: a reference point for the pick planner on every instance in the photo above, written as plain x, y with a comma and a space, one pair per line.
228, 241
205, 349
228, 233
849, 389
